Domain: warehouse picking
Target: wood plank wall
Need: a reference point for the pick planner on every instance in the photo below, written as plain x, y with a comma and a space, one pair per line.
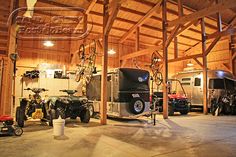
33, 52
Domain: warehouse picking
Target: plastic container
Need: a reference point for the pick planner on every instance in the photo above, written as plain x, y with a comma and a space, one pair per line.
58, 127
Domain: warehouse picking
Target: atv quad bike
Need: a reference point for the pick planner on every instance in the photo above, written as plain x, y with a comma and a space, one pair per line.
32, 107
68, 106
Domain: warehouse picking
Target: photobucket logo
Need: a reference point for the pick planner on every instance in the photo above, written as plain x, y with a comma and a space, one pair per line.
52, 23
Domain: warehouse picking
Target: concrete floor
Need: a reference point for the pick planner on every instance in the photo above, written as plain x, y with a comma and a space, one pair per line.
194, 135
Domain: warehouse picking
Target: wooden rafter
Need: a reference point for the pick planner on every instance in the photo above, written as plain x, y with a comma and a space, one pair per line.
208, 50
141, 52
90, 7
226, 66
155, 9
198, 62
185, 58
227, 32
226, 4
234, 56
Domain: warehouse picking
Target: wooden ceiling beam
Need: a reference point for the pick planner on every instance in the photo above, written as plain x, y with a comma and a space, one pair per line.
221, 34
144, 25
57, 4
217, 38
176, 13
185, 58
155, 9
226, 4
141, 52
90, 7
234, 56
198, 62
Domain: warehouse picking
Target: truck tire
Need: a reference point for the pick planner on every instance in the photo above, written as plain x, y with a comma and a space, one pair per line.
52, 115
137, 106
20, 116
84, 116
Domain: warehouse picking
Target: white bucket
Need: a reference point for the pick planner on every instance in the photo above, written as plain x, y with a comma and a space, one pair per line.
58, 127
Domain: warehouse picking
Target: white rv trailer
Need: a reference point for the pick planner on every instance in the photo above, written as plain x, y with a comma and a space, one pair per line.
192, 82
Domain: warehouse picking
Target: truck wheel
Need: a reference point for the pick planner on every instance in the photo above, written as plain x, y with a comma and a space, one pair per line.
91, 110
170, 110
20, 116
84, 116
18, 131
137, 106
61, 112
52, 115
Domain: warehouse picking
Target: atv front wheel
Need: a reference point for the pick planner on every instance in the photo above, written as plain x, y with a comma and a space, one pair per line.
85, 116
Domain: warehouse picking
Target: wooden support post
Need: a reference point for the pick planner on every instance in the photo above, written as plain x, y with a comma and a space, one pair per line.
219, 21
103, 104
232, 54
137, 39
204, 60
175, 47
180, 8
165, 61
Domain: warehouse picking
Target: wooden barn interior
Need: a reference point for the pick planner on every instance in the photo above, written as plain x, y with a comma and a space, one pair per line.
178, 31
49, 44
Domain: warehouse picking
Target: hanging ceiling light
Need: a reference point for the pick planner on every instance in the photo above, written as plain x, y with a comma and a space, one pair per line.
111, 52
48, 43
189, 64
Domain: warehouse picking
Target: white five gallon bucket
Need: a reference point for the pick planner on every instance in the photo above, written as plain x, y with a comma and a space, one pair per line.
58, 127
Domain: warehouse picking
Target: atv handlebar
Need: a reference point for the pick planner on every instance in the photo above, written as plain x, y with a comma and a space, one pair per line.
37, 90
69, 92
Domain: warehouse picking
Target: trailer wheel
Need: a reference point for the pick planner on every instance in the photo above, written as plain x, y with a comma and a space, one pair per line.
137, 106
20, 116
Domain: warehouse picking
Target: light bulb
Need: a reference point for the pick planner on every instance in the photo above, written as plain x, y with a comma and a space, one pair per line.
111, 52
48, 43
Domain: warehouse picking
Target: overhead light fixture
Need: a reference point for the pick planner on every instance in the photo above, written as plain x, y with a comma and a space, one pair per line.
111, 52
190, 64
48, 43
